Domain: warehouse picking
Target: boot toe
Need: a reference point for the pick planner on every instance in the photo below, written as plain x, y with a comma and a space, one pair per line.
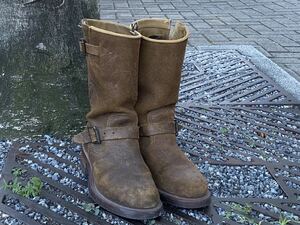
143, 198
184, 181
137, 194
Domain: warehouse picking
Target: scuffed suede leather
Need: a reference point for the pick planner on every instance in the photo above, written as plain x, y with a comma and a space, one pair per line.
118, 168
160, 66
171, 170
121, 175
112, 76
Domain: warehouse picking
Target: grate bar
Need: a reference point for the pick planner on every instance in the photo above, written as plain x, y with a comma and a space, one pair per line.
46, 212
20, 216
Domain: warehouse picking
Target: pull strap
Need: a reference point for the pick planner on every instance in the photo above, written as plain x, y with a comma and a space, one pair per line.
134, 27
87, 48
158, 128
96, 135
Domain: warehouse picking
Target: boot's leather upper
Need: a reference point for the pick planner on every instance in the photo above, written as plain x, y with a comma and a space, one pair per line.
110, 141
161, 58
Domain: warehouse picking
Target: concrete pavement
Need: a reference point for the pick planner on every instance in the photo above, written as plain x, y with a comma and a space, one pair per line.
272, 26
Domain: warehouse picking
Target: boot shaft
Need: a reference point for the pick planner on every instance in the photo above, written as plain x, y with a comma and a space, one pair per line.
118, 177
161, 58
112, 54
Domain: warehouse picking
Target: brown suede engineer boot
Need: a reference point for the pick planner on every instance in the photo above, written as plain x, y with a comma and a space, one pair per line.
161, 57
118, 178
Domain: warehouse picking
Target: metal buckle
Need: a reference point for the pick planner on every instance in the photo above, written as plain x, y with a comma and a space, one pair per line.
96, 134
82, 45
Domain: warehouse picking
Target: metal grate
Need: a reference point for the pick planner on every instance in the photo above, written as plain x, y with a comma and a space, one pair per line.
236, 125
245, 138
227, 77
64, 192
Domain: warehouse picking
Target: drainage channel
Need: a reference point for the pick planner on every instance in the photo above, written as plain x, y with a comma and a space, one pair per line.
238, 126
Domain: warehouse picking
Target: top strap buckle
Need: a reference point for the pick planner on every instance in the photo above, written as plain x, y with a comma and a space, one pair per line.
94, 135
134, 28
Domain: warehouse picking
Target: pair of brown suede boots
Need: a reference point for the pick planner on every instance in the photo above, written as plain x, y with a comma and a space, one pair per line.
129, 144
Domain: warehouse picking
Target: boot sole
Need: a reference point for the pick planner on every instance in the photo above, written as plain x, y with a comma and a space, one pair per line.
188, 203
109, 205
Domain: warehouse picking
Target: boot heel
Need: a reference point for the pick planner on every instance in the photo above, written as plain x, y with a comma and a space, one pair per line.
83, 162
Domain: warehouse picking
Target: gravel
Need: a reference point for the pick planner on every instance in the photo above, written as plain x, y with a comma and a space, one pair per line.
241, 181
283, 213
197, 214
22, 208
8, 220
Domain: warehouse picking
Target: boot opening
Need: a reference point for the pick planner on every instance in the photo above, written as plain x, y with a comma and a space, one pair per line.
160, 29
108, 26
155, 33
156, 37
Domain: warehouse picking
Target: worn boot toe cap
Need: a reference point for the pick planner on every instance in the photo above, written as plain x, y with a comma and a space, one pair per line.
142, 198
137, 193
183, 181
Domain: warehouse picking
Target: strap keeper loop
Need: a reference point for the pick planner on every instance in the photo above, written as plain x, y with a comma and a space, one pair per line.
82, 46
176, 127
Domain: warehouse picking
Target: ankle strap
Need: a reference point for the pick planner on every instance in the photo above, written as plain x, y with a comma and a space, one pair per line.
96, 135
152, 129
